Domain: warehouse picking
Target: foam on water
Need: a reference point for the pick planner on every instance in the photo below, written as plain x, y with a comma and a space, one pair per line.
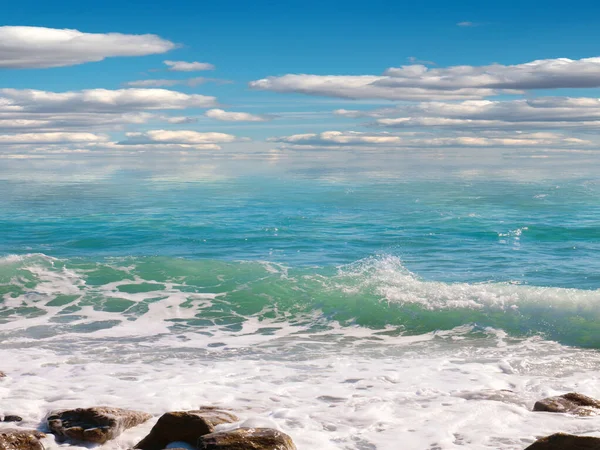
362, 356
444, 392
153, 297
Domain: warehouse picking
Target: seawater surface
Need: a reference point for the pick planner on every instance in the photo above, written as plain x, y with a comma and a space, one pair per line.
351, 312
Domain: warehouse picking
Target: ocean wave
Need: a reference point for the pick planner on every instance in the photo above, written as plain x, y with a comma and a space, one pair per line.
44, 298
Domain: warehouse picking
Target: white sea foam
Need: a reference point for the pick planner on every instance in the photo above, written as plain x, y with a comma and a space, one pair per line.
329, 385
448, 395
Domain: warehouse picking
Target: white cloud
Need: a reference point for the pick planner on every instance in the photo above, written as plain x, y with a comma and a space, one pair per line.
23, 124
539, 74
415, 60
355, 114
354, 140
43, 122
51, 138
418, 82
505, 140
467, 24
229, 116
191, 82
179, 119
69, 121
152, 83
94, 109
100, 100
184, 66
178, 138
359, 87
84, 142
338, 139
547, 112
37, 47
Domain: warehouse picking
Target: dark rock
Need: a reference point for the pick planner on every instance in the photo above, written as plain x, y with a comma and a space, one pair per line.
11, 439
184, 426
12, 418
571, 403
97, 425
562, 441
247, 439
2, 374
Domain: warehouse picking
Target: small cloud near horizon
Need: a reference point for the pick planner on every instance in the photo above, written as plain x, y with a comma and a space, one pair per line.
190, 82
415, 60
184, 66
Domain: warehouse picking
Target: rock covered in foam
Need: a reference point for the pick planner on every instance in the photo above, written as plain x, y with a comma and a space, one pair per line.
12, 418
572, 403
184, 426
247, 439
96, 425
562, 441
8, 417
12, 439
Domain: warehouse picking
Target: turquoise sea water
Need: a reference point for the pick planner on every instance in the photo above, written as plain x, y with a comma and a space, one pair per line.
414, 255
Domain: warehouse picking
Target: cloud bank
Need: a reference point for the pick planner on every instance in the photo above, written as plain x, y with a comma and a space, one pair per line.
418, 82
354, 140
100, 100
539, 113
178, 138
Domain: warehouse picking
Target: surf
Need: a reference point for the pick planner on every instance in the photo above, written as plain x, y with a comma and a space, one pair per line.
45, 297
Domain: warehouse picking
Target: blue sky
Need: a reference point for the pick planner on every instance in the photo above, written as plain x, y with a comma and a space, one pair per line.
269, 91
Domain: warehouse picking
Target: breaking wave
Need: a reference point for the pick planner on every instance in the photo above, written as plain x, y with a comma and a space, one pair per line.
43, 298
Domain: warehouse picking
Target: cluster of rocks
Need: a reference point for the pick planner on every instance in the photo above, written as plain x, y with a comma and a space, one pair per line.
572, 403
198, 428
101, 424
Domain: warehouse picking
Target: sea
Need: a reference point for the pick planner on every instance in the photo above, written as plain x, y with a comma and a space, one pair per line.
353, 300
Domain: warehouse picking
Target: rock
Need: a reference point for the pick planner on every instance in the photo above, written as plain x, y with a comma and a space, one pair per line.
97, 425
562, 441
2, 374
11, 439
571, 403
247, 439
184, 426
12, 418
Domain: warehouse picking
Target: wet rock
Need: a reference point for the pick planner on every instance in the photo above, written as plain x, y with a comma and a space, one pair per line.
562, 441
97, 425
247, 439
571, 403
184, 426
2, 374
12, 418
11, 439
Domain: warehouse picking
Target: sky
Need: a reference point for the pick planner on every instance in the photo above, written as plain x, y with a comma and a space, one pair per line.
303, 77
